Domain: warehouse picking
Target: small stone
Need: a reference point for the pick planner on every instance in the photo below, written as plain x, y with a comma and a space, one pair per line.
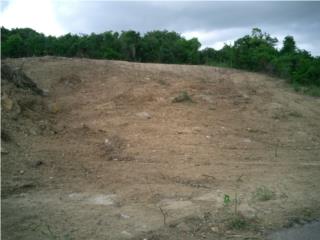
214, 229
107, 141
196, 129
245, 96
21, 172
7, 103
247, 211
45, 92
34, 131
53, 108
124, 216
144, 115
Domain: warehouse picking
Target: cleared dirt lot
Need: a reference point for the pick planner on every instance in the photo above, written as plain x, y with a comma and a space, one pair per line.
109, 154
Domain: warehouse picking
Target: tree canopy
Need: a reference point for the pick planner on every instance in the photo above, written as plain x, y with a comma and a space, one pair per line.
254, 52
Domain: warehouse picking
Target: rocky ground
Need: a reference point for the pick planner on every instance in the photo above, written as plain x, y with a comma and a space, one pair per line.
95, 149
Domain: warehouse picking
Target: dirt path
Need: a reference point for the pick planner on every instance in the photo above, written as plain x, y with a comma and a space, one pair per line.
121, 155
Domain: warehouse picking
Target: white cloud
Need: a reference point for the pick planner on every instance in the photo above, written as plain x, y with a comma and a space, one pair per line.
38, 15
217, 38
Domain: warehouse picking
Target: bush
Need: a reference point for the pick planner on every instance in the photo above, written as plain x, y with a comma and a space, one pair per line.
263, 194
182, 97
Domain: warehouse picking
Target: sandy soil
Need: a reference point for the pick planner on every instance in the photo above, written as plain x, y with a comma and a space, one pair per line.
110, 155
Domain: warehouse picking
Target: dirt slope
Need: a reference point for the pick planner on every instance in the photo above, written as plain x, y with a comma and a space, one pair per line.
110, 154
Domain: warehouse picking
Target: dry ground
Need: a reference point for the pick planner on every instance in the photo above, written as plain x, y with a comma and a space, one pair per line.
109, 155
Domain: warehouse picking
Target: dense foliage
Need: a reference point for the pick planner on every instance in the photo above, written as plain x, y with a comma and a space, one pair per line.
255, 52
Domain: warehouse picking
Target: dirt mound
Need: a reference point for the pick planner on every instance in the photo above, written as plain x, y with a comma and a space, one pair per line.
70, 80
123, 150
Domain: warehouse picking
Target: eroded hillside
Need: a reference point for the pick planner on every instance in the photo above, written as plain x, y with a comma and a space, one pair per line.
118, 150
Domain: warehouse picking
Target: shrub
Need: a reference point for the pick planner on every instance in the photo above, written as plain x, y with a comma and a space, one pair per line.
182, 97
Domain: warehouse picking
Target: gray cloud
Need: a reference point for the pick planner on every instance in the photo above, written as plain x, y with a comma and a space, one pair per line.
212, 22
228, 20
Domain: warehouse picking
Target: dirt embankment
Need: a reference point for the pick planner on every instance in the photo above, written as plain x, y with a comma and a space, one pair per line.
95, 149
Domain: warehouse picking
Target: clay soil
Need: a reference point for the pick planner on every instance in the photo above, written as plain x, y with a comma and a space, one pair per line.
109, 153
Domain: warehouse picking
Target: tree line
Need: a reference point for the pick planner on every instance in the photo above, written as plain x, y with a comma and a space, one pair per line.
254, 52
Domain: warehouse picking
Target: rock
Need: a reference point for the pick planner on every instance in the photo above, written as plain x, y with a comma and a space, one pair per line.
124, 216
247, 211
10, 106
183, 227
34, 131
245, 96
45, 92
127, 234
53, 108
215, 229
144, 115
107, 141
7, 103
196, 129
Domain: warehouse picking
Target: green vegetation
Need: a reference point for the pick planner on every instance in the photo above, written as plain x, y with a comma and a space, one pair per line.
263, 194
238, 222
182, 97
226, 199
254, 52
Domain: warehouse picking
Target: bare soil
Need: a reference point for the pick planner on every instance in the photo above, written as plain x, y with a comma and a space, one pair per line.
108, 153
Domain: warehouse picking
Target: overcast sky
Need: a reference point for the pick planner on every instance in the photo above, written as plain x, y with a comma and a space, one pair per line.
213, 23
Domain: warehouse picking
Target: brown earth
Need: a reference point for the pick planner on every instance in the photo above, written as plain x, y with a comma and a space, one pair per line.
109, 153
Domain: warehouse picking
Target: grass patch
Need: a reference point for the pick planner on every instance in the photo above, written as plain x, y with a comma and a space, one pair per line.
263, 194
238, 222
311, 90
295, 114
182, 97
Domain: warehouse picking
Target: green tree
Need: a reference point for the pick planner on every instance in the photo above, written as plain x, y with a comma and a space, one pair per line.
129, 41
13, 47
289, 45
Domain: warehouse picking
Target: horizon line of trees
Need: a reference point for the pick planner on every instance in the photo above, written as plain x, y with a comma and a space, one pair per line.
254, 52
